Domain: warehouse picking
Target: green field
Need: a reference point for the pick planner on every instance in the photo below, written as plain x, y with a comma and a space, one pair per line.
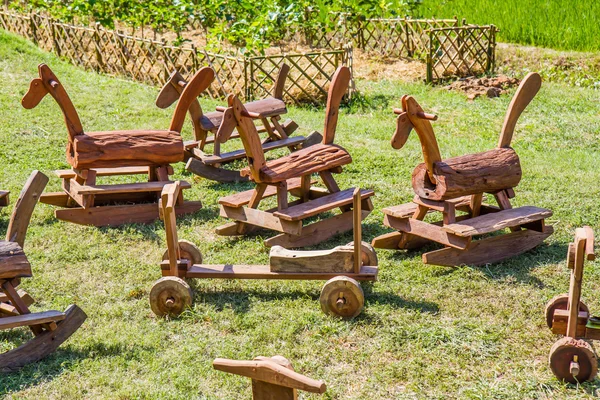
559, 24
426, 331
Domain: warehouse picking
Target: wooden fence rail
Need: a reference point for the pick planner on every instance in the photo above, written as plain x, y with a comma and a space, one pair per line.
150, 61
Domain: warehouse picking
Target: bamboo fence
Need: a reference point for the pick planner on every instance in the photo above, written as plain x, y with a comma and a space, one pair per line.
151, 61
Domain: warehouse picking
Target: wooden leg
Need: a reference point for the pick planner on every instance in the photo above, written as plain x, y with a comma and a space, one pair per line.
10, 292
332, 186
254, 202
475, 206
305, 189
162, 173
282, 196
504, 204
449, 213
90, 180
419, 214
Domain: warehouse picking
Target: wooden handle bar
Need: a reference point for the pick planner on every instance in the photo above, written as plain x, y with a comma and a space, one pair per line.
53, 83
589, 243
245, 113
422, 115
270, 372
182, 83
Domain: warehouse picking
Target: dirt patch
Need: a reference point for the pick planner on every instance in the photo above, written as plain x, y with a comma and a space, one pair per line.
490, 87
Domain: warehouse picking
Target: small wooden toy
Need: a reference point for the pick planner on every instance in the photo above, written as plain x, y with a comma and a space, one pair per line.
268, 110
572, 358
292, 175
342, 266
100, 154
273, 378
4, 198
458, 184
50, 328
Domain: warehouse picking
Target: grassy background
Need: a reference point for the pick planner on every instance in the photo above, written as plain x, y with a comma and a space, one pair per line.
559, 24
426, 331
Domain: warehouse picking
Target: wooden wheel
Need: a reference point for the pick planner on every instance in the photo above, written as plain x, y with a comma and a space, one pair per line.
573, 360
369, 256
188, 250
342, 297
560, 303
170, 296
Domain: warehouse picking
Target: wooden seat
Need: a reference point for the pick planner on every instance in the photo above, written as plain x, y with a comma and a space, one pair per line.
239, 154
31, 319
495, 221
317, 158
320, 205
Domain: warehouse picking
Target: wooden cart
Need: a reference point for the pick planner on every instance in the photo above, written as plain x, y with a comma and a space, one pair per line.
291, 175
273, 378
572, 358
50, 328
342, 266
457, 185
268, 110
115, 153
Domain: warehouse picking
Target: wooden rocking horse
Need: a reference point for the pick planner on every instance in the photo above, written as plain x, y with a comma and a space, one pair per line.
292, 174
458, 184
273, 378
114, 153
269, 111
50, 328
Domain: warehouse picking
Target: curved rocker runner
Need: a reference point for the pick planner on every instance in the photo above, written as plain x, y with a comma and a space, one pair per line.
50, 328
292, 175
572, 359
114, 153
268, 110
342, 266
458, 184
273, 378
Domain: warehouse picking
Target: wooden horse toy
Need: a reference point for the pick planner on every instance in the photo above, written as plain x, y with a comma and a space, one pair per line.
50, 328
292, 174
269, 111
342, 266
113, 153
572, 358
273, 378
458, 184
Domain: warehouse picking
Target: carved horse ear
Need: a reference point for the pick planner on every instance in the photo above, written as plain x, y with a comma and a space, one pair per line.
403, 127
35, 94
198, 84
169, 93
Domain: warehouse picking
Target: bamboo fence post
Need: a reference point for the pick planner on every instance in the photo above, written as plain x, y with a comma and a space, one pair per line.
430, 58
99, 60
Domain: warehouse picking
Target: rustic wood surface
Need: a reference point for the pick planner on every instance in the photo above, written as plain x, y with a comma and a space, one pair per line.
28, 198
13, 261
338, 259
229, 271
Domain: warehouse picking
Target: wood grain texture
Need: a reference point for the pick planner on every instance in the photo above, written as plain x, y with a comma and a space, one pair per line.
427, 231
28, 198
229, 271
31, 319
242, 198
337, 90
125, 149
13, 261
213, 173
338, 259
313, 159
489, 171
496, 221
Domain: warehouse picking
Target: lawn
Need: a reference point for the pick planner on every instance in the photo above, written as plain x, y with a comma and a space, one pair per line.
426, 331
559, 24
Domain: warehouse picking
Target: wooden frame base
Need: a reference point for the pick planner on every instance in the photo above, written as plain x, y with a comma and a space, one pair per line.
43, 344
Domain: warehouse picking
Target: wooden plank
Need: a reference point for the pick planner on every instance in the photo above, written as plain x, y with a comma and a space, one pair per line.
527, 90
320, 205
13, 261
317, 232
427, 231
489, 250
31, 319
156, 186
493, 222
213, 172
69, 173
242, 198
229, 271
238, 154
121, 214
560, 322
28, 198
26, 297
261, 218
338, 259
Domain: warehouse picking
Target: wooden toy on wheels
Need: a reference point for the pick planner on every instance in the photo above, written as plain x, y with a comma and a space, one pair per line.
458, 184
342, 267
292, 175
572, 358
268, 110
50, 328
273, 378
114, 153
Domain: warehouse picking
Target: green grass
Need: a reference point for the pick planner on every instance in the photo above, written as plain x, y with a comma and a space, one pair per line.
426, 331
559, 24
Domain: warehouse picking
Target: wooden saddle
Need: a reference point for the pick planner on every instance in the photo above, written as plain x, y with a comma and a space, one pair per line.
292, 175
113, 153
458, 184
268, 110
50, 328
273, 378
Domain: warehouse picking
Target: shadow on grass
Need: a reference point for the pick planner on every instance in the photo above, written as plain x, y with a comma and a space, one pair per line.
62, 360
